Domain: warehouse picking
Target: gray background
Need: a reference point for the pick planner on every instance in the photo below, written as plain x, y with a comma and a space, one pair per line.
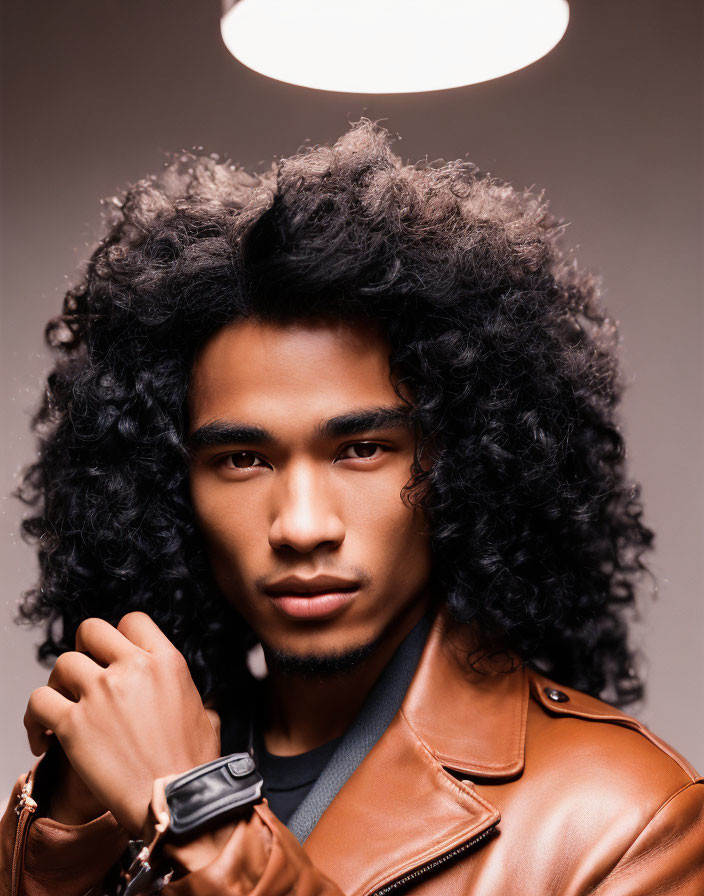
609, 123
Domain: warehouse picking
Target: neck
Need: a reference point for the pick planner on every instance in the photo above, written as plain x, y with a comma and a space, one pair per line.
303, 713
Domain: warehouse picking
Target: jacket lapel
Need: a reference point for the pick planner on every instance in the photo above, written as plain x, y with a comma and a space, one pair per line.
473, 719
402, 809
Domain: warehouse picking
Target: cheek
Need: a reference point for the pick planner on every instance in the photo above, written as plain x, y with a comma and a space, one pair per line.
408, 544
387, 534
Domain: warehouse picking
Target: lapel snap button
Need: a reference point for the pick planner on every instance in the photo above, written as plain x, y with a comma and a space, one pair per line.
555, 695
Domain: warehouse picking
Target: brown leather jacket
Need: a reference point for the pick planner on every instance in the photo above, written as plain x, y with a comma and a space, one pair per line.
484, 785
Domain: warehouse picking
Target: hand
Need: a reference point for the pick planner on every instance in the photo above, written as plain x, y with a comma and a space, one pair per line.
126, 711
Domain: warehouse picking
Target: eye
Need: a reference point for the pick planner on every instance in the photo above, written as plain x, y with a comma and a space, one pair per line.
241, 460
362, 451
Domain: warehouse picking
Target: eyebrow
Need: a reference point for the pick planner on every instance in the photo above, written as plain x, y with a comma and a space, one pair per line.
224, 432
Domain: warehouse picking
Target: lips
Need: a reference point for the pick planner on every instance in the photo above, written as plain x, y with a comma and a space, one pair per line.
312, 586
314, 598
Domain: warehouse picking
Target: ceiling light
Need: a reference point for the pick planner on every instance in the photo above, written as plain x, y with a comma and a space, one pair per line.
390, 46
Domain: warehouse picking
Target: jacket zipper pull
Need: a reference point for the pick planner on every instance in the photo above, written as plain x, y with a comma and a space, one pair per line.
25, 807
25, 800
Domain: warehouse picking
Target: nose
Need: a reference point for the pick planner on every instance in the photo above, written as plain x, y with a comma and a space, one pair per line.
305, 516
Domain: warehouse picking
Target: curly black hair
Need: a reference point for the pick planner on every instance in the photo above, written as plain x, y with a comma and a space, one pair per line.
536, 531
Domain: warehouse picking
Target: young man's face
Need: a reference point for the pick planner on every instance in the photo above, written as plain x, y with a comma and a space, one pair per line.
301, 451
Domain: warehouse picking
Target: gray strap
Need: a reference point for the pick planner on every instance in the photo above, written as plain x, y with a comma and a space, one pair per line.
373, 719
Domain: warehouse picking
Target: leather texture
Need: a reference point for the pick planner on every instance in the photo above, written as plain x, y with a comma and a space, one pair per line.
213, 789
482, 785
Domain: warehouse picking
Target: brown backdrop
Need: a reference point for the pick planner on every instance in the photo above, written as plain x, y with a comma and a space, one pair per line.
609, 123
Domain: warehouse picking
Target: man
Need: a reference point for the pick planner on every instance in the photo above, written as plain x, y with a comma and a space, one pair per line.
362, 414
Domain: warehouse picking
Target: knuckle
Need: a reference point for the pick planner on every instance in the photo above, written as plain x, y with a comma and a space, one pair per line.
84, 627
132, 616
105, 682
60, 721
58, 672
141, 662
111, 686
36, 697
175, 660
63, 661
31, 708
95, 680
84, 624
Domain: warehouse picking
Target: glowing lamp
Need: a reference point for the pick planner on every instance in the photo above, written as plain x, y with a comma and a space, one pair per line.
390, 46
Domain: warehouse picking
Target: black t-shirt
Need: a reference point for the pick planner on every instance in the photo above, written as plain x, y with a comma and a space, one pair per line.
287, 779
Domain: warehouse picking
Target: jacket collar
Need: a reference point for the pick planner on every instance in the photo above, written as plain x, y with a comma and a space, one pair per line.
472, 721
402, 809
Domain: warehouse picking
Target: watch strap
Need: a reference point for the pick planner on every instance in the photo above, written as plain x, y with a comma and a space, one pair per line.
214, 790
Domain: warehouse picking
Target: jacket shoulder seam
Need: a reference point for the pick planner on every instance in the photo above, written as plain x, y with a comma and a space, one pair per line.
610, 715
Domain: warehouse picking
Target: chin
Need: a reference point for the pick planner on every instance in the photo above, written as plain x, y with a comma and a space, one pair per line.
318, 664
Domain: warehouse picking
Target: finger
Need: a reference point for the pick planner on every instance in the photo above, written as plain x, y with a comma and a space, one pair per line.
141, 630
102, 641
46, 709
73, 673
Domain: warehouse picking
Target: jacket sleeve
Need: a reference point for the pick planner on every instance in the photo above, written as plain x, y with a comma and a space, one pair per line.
667, 857
261, 858
42, 857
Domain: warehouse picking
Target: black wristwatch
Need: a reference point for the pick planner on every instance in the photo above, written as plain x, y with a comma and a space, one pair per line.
216, 790
182, 806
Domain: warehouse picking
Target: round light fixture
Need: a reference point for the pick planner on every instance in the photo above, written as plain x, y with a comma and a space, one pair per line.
390, 46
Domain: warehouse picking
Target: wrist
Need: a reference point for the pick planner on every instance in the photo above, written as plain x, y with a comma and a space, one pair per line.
191, 816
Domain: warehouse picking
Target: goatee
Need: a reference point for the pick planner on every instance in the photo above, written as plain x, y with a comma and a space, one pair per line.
317, 665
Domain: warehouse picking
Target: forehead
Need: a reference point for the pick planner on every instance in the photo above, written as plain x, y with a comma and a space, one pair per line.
279, 374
